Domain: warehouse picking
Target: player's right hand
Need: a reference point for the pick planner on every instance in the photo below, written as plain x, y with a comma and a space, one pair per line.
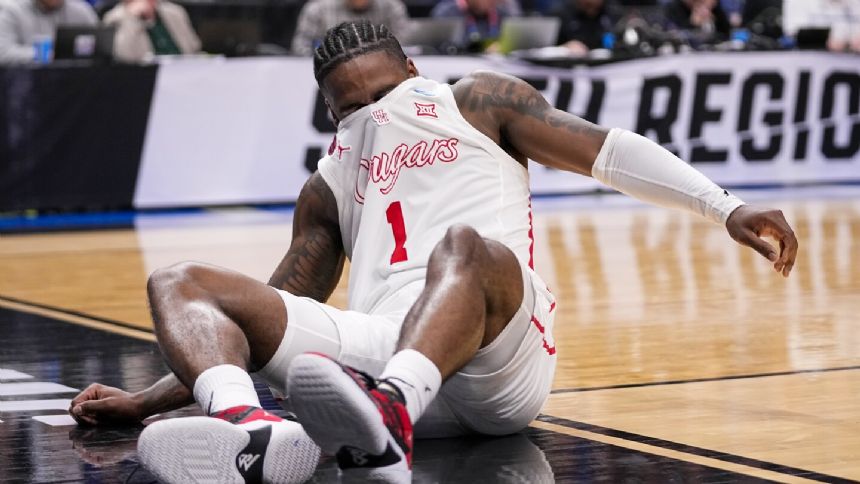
100, 405
747, 225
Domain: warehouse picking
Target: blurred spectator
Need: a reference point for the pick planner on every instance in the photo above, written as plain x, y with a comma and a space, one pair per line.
845, 31
842, 17
763, 17
584, 23
146, 28
537, 7
701, 21
733, 9
317, 16
22, 22
482, 18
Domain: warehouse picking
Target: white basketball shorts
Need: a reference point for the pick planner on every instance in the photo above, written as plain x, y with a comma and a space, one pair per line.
500, 391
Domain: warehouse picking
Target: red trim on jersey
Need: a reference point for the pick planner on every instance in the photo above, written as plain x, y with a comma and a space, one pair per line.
531, 238
552, 306
549, 349
332, 146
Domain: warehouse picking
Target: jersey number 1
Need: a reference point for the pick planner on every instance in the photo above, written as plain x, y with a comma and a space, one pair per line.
394, 214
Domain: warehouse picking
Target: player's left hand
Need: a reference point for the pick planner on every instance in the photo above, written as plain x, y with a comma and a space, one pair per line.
747, 225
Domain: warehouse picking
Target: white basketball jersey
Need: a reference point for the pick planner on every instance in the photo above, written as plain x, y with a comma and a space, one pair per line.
406, 168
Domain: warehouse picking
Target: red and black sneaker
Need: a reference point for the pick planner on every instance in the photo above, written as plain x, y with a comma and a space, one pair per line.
238, 445
347, 415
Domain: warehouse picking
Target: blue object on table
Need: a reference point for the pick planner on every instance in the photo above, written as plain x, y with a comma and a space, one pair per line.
43, 49
787, 42
608, 40
741, 34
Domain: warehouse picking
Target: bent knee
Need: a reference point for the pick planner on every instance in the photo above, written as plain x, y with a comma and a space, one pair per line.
461, 242
461, 234
176, 279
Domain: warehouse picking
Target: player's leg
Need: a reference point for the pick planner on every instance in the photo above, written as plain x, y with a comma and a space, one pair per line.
473, 288
213, 326
207, 320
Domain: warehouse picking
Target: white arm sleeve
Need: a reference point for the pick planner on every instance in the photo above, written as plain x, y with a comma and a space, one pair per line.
639, 167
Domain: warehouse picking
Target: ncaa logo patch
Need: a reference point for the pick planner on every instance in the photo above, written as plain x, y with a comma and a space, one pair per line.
426, 110
380, 117
424, 92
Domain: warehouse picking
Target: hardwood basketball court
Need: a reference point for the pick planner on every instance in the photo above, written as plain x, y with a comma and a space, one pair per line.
682, 356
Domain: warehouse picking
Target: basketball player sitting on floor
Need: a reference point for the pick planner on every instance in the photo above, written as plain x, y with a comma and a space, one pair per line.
425, 189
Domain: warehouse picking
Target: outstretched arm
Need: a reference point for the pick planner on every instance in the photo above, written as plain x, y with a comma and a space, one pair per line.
529, 127
311, 268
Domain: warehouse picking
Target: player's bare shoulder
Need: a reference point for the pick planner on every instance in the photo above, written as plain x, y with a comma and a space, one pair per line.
495, 99
497, 95
519, 119
490, 100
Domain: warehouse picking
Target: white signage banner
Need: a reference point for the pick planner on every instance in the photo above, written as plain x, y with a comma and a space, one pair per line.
228, 131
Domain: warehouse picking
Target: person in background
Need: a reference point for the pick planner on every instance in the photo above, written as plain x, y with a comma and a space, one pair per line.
845, 27
734, 11
483, 20
146, 28
763, 17
845, 30
842, 17
22, 22
701, 21
584, 23
317, 16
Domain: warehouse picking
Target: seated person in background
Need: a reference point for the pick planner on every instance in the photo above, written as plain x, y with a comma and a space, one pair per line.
317, 16
733, 10
146, 28
585, 22
842, 17
763, 17
845, 30
701, 21
483, 20
22, 22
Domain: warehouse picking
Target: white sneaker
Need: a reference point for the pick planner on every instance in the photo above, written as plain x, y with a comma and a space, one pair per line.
239, 445
367, 429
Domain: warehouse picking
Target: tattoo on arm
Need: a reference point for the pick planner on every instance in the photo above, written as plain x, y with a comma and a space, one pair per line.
314, 262
502, 95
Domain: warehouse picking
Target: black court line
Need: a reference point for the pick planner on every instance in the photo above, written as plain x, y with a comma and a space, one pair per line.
699, 451
699, 380
79, 314
47, 348
666, 444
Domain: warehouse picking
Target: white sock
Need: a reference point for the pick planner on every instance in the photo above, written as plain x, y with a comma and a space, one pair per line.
224, 386
417, 378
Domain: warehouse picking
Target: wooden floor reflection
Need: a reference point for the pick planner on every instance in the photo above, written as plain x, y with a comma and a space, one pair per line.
665, 329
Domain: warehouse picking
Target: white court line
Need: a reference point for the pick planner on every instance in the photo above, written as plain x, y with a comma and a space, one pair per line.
28, 405
33, 388
56, 420
8, 374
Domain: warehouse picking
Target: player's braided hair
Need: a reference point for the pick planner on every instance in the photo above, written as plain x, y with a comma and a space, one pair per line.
349, 40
